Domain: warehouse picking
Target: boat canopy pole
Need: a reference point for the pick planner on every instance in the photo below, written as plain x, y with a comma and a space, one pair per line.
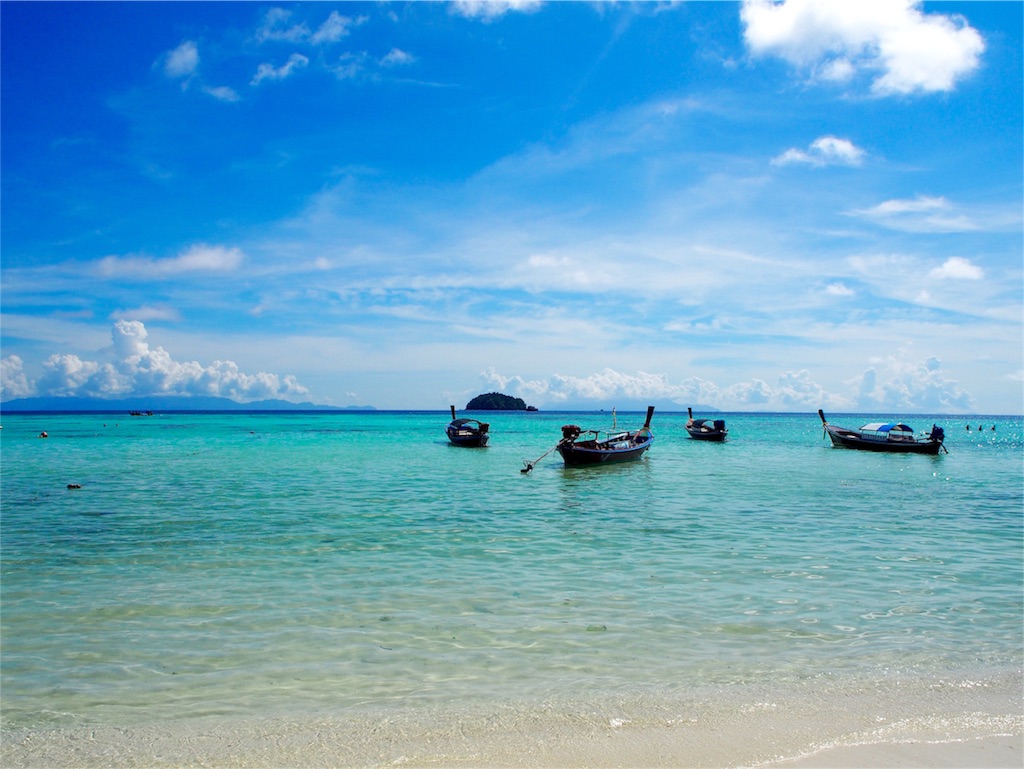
453, 411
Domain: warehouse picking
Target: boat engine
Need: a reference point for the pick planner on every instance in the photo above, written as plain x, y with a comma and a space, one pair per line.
570, 432
938, 434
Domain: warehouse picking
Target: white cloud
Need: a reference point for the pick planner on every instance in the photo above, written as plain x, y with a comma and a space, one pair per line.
222, 93
904, 50
796, 390
66, 374
198, 258
182, 62
489, 10
839, 289
138, 369
147, 314
922, 203
920, 214
267, 71
957, 268
349, 65
911, 386
335, 28
905, 385
837, 71
13, 382
276, 27
396, 57
824, 151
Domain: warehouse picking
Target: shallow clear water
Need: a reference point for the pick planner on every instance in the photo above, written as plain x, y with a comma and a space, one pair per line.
235, 565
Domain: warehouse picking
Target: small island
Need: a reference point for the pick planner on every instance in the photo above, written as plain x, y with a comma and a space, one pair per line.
497, 402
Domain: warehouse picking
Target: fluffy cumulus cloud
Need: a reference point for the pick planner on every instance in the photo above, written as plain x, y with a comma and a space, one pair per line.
893, 384
901, 48
13, 382
957, 268
825, 151
139, 369
910, 386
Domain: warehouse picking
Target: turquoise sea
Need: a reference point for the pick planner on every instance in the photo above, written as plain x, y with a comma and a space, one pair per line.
369, 595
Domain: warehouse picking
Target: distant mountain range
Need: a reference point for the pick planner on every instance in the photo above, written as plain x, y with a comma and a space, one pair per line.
164, 403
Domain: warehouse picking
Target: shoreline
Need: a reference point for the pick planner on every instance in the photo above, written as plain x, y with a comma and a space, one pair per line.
914, 724
996, 752
324, 744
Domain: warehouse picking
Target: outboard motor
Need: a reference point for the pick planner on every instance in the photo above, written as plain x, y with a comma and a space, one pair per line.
570, 432
938, 434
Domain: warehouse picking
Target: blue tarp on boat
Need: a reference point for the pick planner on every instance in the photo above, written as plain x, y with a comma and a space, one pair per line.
884, 427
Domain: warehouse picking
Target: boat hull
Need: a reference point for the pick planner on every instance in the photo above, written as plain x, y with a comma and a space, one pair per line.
581, 455
847, 439
707, 435
705, 429
469, 441
467, 433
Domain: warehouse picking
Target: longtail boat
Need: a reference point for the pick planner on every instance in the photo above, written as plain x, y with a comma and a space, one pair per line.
467, 432
705, 429
893, 437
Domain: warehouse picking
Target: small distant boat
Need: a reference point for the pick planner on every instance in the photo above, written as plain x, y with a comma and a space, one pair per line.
705, 429
893, 437
467, 432
623, 446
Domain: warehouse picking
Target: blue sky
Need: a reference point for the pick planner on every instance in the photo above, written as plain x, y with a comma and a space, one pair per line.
754, 206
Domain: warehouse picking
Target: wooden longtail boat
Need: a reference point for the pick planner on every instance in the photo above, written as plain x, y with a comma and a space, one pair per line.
626, 446
467, 432
617, 447
705, 429
892, 437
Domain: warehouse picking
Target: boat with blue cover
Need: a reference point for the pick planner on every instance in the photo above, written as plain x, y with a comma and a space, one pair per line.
892, 437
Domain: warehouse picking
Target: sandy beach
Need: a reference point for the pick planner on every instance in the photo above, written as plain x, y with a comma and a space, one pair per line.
837, 730
1004, 752
282, 747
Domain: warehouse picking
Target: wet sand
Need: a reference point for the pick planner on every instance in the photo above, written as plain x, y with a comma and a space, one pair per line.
318, 749
986, 753
536, 740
